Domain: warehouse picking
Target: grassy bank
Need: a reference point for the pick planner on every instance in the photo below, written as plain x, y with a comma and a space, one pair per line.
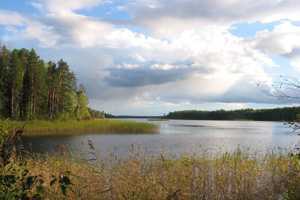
72, 127
230, 176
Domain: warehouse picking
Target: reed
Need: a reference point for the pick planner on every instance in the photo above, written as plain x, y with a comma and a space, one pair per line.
74, 127
229, 176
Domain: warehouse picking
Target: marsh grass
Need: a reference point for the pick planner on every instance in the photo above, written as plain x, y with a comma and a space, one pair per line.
74, 127
230, 176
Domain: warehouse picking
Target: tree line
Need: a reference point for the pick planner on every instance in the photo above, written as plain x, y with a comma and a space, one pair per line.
290, 114
31, 88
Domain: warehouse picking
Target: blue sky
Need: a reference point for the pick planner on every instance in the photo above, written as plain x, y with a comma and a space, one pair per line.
246, 30
150, 57
18, 5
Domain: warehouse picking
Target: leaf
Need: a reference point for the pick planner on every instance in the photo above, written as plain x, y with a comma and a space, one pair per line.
8, 180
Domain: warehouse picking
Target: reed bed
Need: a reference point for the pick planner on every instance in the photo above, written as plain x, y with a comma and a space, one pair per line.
232, 176
74, 127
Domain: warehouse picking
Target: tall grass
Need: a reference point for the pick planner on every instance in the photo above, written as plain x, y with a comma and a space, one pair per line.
73, 127
230, 176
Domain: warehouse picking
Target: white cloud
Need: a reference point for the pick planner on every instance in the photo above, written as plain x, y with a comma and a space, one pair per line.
283, 40
153, 12
44, 34
10, 18
295, 61
188, 56
27, 28
65, 6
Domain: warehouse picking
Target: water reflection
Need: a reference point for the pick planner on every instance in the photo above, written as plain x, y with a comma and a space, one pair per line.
180, 137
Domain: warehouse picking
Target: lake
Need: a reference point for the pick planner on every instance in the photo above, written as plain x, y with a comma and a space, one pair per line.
177, 137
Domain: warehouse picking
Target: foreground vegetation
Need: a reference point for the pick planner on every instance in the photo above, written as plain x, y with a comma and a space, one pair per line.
231, 176
290, 114
73, 127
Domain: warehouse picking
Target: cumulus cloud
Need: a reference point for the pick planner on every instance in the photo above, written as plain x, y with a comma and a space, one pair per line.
213, 11
189, 55
283, 40
22, 27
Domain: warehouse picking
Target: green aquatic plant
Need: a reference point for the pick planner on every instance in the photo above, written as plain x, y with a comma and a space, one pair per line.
75, 127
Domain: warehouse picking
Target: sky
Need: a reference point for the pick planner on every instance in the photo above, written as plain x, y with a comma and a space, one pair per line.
150, 57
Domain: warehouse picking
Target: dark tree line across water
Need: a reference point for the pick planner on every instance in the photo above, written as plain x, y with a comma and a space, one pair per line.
276, 114
31, 88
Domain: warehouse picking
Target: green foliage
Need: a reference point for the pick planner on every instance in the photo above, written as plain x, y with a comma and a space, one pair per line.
95, 114
4, 65
15, 83
32, 89
16, 183
16, 179
4, 133
82, 110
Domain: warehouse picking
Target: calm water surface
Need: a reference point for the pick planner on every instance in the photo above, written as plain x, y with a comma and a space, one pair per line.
178, 137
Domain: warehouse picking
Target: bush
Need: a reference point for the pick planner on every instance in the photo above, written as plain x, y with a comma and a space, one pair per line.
16, 180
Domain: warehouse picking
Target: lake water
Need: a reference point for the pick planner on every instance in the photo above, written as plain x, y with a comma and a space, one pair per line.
179, 137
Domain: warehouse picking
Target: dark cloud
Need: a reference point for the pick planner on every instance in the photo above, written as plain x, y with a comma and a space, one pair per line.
152, 74
145, 76
213, 10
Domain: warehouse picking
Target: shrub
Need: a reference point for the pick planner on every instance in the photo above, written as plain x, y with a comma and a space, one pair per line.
16, 180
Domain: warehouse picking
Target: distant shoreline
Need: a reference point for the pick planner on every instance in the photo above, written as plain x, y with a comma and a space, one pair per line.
285, 114
276, 114
246, 120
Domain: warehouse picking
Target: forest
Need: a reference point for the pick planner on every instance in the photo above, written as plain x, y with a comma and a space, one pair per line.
276, 114
31, 88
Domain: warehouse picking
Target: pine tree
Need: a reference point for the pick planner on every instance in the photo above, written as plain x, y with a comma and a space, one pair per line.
66, 94
15, 84
82, 110
52, 83
4, 64
31, 85
31, 89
